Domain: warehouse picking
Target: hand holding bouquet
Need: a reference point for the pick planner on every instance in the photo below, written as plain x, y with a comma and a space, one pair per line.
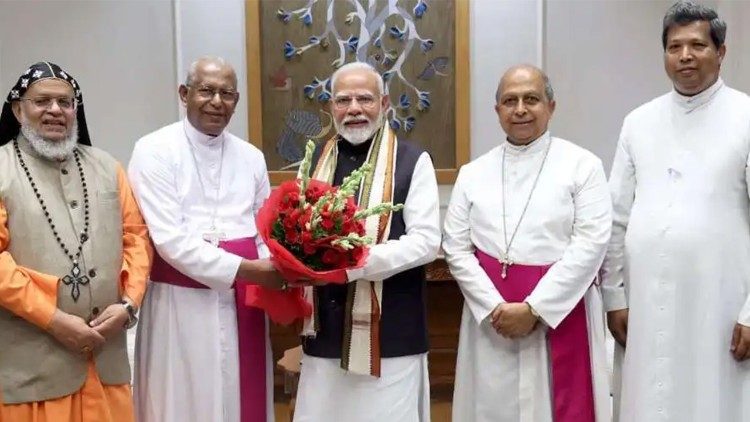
314, 231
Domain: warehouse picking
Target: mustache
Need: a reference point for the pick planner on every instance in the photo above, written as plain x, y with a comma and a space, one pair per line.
355, 119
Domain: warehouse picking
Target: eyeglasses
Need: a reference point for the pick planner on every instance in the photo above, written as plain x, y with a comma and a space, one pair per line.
65, 103
208, 93
345, 101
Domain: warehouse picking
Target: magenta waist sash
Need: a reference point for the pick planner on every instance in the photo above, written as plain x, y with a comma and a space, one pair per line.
570, 364
251, 330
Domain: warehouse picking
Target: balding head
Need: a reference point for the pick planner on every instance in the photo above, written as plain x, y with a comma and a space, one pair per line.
210, 94
209, 64
548, 91
524, 103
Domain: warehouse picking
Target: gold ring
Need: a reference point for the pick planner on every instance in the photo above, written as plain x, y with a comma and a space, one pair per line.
86, 349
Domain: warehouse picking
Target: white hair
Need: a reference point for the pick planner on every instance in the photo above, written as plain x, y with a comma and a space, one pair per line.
193, 68
358, 66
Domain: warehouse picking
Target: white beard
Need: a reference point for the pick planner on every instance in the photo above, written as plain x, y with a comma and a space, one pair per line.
49, 149
360, 135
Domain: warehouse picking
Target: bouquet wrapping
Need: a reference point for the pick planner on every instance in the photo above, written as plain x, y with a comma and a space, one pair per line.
314, 231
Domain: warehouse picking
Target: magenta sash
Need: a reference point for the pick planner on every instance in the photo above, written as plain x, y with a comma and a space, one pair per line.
570, 363
251, 330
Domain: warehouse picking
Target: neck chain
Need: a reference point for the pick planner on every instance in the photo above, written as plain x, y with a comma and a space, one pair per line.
74, 278
505, 256
214, 211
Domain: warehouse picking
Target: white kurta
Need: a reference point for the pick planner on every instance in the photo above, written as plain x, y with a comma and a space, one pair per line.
187, 366
401, 394
679, 258
567, 223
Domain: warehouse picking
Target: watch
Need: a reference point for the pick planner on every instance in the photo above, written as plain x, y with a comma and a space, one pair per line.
132, 319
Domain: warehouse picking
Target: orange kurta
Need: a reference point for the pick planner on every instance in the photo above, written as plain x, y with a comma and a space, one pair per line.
33, 296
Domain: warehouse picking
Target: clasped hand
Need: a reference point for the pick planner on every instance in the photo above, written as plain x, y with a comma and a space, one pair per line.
78, 336
513, 320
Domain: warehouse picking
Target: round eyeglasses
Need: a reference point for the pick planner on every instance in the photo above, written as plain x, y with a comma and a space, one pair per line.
208, 93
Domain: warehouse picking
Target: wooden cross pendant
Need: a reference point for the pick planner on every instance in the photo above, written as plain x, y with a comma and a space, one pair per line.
76, 280
506, 262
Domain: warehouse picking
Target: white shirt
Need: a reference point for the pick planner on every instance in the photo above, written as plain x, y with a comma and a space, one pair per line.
678, 258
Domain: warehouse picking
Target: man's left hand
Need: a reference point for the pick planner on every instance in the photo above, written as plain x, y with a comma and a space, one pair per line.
514, 320
740, 342
112, 321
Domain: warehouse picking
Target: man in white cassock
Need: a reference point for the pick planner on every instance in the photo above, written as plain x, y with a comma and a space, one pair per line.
524, 236
365, 347
201, 355
677, 274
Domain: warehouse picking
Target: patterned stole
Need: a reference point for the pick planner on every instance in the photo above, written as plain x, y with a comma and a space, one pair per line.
361, 345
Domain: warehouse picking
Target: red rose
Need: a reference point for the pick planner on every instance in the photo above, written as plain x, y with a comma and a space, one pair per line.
309, 248
290, 222
351, 208
357, 253
305, 217
292, 236
328, 224
331, 257
291, 200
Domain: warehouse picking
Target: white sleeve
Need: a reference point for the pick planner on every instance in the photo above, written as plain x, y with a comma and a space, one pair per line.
480, 294
744, 316
560, 290
622, 185
155, 185
420, 244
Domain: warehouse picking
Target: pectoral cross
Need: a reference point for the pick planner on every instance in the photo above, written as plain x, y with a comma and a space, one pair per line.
76, 280
506, 262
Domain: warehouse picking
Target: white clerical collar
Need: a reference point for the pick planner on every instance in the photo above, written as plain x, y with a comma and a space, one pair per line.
197, 137
690, 103
538, 144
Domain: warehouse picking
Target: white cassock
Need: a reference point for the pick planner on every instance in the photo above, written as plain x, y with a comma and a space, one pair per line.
679, 257
326, 392
567, 223
187, 349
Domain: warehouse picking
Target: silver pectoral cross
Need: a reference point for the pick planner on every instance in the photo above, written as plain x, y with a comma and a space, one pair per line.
76, 280
506, 262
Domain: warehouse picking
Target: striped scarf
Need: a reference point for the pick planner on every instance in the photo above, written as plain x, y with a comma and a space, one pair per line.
361, 345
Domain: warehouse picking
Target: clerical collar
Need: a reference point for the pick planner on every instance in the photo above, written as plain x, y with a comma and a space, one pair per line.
537, 145
690, 103
198, 137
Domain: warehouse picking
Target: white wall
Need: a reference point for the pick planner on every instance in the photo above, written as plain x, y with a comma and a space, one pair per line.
214, 28
121, 52
503, 33
603, 59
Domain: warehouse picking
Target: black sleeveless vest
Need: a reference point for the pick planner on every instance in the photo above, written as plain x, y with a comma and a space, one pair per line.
403, 323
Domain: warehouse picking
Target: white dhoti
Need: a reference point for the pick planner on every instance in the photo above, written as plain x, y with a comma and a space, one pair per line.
327, 393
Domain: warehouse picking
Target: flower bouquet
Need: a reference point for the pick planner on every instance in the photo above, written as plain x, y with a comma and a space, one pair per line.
314, 231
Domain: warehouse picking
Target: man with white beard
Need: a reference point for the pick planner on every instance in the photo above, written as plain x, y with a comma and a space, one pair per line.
365, 346
74, 258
